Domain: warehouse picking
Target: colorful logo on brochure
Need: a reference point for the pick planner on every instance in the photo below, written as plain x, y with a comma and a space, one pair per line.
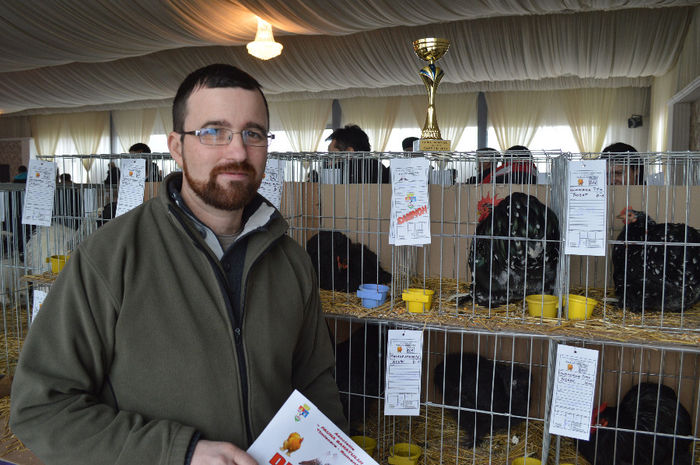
302, 412
411, 199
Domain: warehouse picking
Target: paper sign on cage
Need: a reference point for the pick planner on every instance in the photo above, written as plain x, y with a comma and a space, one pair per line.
131, 185
40, 190
587, 200
273, 182
574, 389
404, 361
410, 203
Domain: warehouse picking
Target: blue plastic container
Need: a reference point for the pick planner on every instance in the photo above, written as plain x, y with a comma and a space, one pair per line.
372, 295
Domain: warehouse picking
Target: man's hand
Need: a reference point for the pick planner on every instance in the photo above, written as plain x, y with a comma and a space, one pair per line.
220, 453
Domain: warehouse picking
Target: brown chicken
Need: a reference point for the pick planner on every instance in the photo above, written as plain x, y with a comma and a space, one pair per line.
292, 443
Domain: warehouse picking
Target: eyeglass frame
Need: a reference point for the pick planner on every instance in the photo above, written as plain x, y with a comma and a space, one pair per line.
198, 132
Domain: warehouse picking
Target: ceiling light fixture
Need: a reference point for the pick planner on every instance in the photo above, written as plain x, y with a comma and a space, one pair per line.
264, 45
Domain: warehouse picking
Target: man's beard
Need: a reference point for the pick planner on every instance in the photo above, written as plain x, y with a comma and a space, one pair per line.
234, 195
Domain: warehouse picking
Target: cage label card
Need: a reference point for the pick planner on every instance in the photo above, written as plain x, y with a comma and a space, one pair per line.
586, 214
404, 360
410, 203
37, 302
40, 190
300, 434
131, 184
574, 389
273, 182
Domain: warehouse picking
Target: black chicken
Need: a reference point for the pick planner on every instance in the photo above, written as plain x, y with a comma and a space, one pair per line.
656, 276
473, 382
359, 373
524, 260
343, 265
647, 409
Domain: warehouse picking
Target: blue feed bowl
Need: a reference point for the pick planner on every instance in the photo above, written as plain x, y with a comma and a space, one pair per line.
372, 295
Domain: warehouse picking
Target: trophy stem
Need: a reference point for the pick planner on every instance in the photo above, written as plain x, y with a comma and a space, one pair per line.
430, 127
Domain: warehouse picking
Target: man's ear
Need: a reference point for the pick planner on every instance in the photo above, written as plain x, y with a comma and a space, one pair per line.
175, 146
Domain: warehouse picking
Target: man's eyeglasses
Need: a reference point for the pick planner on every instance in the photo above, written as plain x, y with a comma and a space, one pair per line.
224, 136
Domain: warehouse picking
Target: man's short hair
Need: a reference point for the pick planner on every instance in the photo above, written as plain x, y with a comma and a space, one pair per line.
619, 147
486, 152
139, 147
351, 136
211, 77
407, 144
518, 151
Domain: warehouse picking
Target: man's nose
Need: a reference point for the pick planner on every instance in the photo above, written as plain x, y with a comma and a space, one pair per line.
236, 149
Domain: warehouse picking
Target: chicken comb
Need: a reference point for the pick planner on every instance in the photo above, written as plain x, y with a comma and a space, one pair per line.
596, 413
486, 204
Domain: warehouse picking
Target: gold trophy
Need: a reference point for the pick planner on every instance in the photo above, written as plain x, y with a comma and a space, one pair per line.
431, 50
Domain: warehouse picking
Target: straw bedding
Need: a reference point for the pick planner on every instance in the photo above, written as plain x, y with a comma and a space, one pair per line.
436, 431
608, 321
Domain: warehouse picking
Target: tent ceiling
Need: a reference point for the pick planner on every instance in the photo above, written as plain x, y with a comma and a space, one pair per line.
72, 54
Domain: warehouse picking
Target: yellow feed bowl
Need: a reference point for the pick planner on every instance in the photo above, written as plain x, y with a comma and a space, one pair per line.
580, 307
418, 300
368, 444
57, 262
403, 453
526, 461
542, 305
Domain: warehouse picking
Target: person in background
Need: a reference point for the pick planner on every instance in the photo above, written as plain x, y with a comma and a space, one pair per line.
177, 331
624, 164
139, 147
21, 176
152, 171
65, 179
407, 144
68, 202
517, 168
352, 138
487, 159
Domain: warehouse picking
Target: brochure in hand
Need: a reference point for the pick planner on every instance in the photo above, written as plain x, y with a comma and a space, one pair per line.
300, 434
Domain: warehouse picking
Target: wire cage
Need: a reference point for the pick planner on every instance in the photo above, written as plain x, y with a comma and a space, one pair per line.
483, 395
85, 198
486, 397
496, 243
338, 207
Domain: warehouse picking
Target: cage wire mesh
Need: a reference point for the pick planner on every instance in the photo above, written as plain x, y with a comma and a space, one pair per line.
338, 207
486, 397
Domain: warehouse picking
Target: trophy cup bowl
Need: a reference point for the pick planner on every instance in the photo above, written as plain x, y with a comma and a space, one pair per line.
431, 49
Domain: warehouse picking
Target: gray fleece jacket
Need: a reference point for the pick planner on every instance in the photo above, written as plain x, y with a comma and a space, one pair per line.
150, 338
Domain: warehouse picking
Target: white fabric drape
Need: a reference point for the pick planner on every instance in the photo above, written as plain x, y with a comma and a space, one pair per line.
661, 92
376, 116
163, 25
630, 101
625, 45
588, 112
515, 116
133, 126
454, 113
165, 116
303, 122
46, 130
86, 129
689, 58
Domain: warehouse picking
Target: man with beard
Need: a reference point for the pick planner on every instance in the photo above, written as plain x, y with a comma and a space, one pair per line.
176, 331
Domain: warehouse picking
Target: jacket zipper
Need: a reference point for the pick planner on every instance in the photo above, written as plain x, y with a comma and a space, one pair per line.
235, 327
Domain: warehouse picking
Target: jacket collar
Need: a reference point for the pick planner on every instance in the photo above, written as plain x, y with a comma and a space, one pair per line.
258, 215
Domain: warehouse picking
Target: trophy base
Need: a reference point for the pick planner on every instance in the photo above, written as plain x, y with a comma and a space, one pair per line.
431, 145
